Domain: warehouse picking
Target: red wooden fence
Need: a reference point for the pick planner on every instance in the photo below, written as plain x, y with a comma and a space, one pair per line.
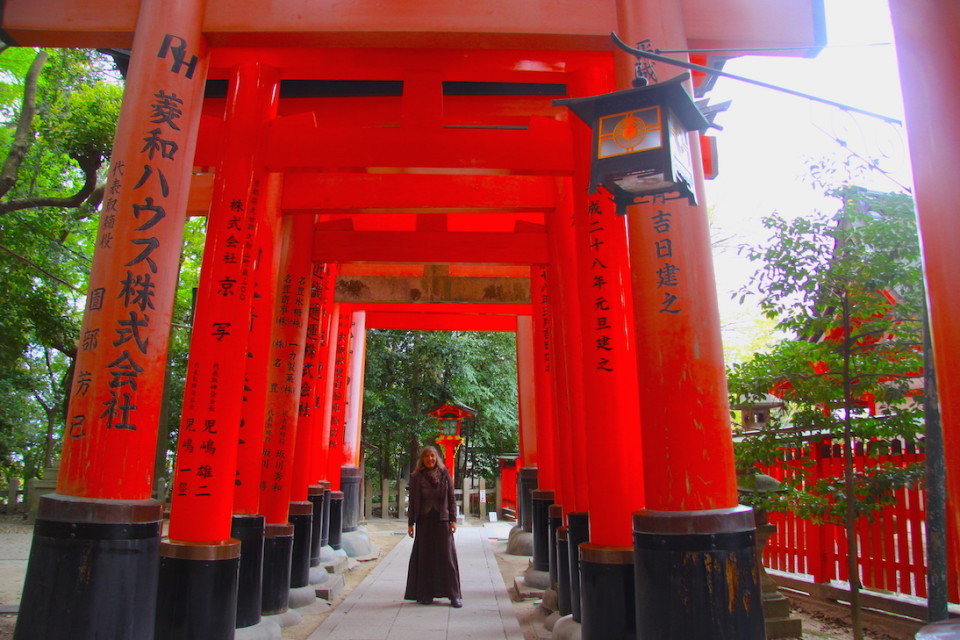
892, 544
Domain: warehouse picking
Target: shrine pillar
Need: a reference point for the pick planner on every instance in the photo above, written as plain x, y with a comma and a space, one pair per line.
285, 370
564, 306
331, 324
608, 343
695, 558
528, 474
925, 39
249, 524
338, 402
199, 562
351, 475
92, 570
312, 394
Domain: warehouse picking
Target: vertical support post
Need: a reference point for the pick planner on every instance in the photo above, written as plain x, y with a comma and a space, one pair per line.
526, 393
285, 372
923, 35
338, 395
402, 499
202, 498
385, 500
688, 449
96, 538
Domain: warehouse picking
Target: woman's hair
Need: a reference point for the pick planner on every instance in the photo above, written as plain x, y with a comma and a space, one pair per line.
423, 452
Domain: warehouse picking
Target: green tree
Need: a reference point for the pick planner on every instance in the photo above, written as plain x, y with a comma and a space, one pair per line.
59, 111
409, 373
848, 290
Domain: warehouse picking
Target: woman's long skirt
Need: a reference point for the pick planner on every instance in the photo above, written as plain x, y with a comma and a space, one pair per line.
434, 571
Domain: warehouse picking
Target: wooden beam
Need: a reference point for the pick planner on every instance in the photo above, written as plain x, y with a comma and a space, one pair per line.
350, 192
440, 321
432, 288
425, 246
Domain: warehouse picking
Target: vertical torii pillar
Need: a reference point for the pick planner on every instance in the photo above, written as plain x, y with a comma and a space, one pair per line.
338, 410
695, 559
616, 488
199, 561
351, 475
527, 476
925, 39
285, 371
249, 524
93, 564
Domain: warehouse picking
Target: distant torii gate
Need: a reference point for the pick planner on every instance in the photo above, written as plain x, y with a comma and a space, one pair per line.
357, 157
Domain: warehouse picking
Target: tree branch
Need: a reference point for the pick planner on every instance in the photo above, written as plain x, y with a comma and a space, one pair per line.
90, 165
23, 138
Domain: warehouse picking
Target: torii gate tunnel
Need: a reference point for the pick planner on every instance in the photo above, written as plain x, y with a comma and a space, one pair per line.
369, 164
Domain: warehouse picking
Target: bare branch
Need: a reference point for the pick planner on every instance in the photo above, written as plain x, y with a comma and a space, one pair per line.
23, 138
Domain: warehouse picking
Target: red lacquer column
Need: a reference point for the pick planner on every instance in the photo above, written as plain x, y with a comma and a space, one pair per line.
202, 500
527, 394
285, 368
331, 333
354, 411
338, 396
266, 271
688, 449
102, 521
926, 50
608, 343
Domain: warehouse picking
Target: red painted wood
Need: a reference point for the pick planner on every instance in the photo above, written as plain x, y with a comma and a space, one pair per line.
114, 413
440, 321
285, 369
425, 246
527, 395
207, 448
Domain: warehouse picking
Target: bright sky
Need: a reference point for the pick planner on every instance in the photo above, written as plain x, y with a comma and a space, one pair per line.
769, 138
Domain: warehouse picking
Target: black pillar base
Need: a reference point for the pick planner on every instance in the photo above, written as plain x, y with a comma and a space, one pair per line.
277, 556
526, 484
578, 532
541, 501
697, 576
608, 603
197, 592
325, 524
315, 495
555, 521
350, 480
92, 571
563, 573
249, 530
301, 517
336, 520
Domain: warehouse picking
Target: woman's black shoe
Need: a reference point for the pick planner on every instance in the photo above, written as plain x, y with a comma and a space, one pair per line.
456, 603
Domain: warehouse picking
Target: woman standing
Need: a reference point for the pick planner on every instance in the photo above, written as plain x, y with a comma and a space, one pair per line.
433, 571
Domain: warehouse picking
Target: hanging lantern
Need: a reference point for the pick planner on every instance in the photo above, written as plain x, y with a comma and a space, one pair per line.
641, 142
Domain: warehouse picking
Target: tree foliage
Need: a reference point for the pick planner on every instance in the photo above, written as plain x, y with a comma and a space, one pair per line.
847, 291
409, 373
59, 111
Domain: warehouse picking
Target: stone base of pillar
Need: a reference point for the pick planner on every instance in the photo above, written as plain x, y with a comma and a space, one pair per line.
551, 620
301, 597
520, 542
943, 630
578, 530
92, 570
277, 555
249, 530
536, 578
318, 576
563, 573
697, 575
566, 628
266, 629
301, 517
197, 590
357, 545
607, 599
288, 618
335, 530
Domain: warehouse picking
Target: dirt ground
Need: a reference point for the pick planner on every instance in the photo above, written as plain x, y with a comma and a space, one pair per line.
15, 537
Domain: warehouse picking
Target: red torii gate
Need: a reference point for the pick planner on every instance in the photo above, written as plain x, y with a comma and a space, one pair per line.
358, 137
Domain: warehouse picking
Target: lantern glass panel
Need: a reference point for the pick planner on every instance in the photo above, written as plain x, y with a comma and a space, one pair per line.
449, 427
629, 132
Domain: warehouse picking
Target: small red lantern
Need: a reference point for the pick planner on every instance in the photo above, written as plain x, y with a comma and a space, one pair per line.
449, 419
